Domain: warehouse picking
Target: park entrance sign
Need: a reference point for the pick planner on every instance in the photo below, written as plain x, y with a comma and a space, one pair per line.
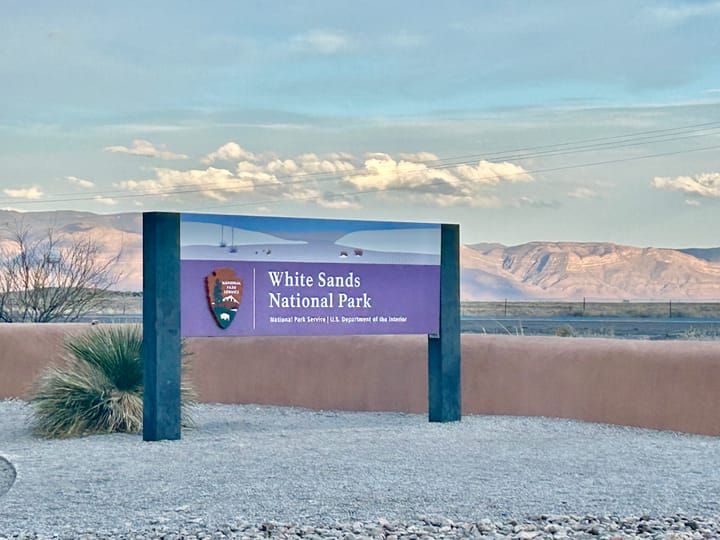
268, 276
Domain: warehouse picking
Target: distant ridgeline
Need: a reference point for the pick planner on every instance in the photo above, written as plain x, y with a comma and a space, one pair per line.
534, 271
594, 271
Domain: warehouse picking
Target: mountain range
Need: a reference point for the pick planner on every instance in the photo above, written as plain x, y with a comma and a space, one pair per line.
569, 271
594, 270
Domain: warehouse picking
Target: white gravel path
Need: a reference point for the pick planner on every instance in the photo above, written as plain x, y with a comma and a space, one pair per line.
255, 464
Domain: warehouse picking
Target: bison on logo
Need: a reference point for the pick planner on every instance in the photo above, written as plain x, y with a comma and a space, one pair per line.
224, 294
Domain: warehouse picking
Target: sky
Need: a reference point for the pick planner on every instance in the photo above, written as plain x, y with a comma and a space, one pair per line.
520, 120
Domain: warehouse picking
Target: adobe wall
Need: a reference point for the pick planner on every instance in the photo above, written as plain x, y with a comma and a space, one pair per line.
25, 351
662, 385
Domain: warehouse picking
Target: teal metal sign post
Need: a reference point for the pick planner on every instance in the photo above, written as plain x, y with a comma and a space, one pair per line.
444, 393
161, 326
290, 276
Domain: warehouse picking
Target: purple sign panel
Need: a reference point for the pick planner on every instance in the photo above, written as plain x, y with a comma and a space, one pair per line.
245, 276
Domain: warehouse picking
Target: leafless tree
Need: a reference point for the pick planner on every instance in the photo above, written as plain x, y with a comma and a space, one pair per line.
51, 277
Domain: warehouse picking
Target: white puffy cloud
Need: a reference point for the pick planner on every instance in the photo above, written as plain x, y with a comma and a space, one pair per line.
105, 200
231, 151
144, 148
377, 155
31, 193
384, 172
314, 164
80, 182
247, 167
487, 172
459, 185
283, 166
704, 185
211, 182
335, 180
258, 178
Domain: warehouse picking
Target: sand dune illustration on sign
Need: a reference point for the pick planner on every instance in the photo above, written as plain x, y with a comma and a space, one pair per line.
217, 241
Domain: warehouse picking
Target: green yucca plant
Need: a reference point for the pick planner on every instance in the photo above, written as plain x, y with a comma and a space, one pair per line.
100, 389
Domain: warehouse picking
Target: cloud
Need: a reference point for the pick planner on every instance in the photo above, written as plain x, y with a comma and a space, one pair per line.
80, 182
32, 193
460, 185
677, 14
334, 180
339, 155
583, 193
486, 172
212, 183
220, 183
529, 202
326, 199
383, 172
144, 148
105, 200
337, 204
419, 157
305, 164
314, 164
692, 202
704, 185
322, 42
281, 166
231, 151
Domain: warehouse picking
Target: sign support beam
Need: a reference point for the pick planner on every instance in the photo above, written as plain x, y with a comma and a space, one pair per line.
161, 326
444, 392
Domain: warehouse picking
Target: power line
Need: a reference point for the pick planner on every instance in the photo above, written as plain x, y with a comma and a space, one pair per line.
565, 148
438, 164
636, 134
438, 183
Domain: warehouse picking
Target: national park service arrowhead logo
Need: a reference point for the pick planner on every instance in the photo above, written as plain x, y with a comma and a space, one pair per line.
224, 294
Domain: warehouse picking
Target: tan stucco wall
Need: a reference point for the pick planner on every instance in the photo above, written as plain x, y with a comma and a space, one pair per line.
26, 350
662, 385
671, 385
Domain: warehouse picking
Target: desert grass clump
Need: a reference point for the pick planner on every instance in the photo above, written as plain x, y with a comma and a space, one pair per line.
565, 331
98, 390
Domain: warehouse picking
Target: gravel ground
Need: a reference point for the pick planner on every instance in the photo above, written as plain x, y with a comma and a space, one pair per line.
269, 471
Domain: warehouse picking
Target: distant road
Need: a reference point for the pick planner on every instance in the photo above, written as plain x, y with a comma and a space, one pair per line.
112, 319
629, 328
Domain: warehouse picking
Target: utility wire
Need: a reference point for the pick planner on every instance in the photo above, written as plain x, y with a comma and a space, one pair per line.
439, 183
565, 148
421, 165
